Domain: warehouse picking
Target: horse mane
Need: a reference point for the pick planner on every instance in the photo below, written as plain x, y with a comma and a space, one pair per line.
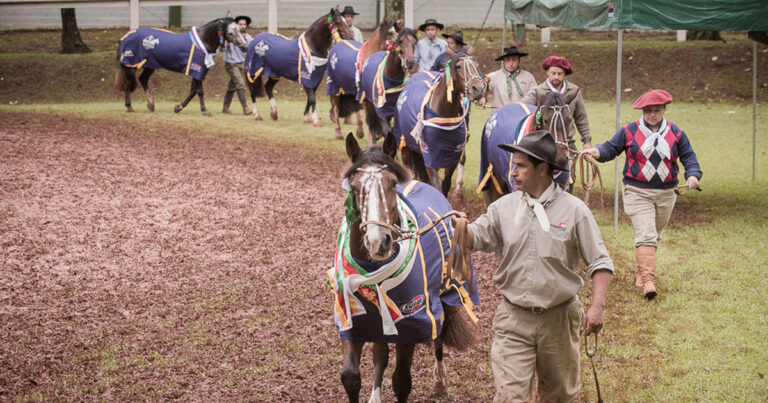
375, 155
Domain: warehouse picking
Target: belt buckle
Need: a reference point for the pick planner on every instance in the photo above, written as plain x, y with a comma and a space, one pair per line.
537, 311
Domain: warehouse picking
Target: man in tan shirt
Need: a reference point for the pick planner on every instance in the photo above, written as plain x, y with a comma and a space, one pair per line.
542, 233
510, 83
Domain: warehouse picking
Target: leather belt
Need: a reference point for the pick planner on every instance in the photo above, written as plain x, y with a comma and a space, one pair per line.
537, 310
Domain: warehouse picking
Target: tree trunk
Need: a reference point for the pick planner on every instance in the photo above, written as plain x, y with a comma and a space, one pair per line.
70, 34
706, 36
394, 9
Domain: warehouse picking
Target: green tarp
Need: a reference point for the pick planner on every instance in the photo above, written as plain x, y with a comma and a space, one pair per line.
701, 15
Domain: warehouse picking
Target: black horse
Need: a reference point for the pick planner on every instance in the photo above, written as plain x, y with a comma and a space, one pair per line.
190, 53
303, 59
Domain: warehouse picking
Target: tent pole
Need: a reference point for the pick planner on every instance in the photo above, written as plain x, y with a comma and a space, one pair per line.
618, 125
754, 105
504, 35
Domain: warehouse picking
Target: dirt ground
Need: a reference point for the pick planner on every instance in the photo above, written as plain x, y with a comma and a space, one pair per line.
156, 263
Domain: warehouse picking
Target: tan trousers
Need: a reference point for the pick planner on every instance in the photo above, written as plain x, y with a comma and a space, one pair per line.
649, 210
545, 343
236, 73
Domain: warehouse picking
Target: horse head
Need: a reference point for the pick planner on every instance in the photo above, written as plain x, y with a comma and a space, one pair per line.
405, 45
465, 75
231, 32
337, 20
557, 117
372, 179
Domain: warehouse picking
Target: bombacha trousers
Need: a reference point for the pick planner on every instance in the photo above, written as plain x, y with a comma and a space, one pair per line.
546, 343
649, 210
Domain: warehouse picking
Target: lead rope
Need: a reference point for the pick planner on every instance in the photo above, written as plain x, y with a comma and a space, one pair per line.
461, 249
591, 353
588, 178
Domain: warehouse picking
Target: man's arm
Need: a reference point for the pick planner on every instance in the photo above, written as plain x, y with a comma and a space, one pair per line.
530, 97
581, 121
599, 267
593, 320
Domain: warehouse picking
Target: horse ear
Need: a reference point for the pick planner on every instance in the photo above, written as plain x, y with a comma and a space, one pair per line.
353, 149
390, 145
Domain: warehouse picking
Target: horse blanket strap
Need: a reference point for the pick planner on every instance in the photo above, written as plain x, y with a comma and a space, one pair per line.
276, 56
400, 300
342, 70
520, 118
377, 88
156, 48
441, 140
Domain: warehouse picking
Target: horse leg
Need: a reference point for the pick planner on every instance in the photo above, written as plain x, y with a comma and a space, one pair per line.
380, 362
350, 370
434, 178
373, 122
144, 80
335, 99
401, 378
129, 84
272, 103
192, 93
201, 95
458, 193
311, 101
438, 390
447, 179
360, 133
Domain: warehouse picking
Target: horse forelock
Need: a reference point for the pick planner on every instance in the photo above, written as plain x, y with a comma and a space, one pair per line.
405, 32
375, 155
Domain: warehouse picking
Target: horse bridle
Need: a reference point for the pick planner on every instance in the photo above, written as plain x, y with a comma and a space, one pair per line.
371, 180
469, 69
395, 45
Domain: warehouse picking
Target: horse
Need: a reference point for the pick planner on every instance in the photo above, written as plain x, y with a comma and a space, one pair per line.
383, 76
509, 124
190, 53
411, 277
346, 59
431, 119
303, 59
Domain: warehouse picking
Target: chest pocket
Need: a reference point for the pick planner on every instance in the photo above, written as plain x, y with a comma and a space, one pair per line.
553, 245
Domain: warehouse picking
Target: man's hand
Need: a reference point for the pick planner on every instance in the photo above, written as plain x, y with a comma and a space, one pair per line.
593, 320
591, 152
454, 218
692, 182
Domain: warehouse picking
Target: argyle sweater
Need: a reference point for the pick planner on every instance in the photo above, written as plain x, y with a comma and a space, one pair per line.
652, 171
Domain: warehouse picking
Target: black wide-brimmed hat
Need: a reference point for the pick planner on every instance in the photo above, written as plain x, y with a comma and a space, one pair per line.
539, 144
349, 10
431, 21
511, 51
457, 36
243, 17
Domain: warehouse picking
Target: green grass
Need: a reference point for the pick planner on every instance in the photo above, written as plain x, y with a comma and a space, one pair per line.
704, 338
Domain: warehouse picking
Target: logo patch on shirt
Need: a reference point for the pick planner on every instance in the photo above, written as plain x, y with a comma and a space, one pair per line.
562, 226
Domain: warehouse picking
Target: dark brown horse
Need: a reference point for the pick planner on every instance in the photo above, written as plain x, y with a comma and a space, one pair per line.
432, 119
384, 75
342, 82
380, 205
303, 59
507, 125
190, 53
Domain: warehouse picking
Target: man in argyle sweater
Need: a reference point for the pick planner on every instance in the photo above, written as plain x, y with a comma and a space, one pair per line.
653, 146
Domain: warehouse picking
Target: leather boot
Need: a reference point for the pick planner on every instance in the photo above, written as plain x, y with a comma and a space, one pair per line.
646, 257
227, 101
638, 271
244, 102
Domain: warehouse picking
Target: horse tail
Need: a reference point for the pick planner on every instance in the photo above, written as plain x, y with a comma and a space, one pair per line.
124, 74
372, 120
458, 330
256, 88
347, 105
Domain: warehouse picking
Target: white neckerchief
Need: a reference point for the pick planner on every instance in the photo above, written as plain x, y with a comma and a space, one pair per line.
538, 207
655, 140
200, 44
551, 88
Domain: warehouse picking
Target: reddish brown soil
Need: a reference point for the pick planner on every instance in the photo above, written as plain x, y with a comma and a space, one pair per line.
155, 263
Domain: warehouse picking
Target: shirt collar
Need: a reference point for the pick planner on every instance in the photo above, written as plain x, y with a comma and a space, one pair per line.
547, 195
562, 89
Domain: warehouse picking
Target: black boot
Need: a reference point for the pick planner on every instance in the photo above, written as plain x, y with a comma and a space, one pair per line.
241, 96
227, 101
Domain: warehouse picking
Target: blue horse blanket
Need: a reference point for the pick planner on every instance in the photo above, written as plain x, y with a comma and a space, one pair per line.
276, 56
342, 72
377, 88
507, 125
157, 48
407, 306
441, 140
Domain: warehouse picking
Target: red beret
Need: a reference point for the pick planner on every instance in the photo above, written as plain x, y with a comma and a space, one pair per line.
652, 97
558, 61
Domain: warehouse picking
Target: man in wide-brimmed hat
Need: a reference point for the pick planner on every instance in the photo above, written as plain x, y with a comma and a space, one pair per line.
455, 44
234, 64
510, 83
653, 146
542, 233
349, 14
557, 68
429, 47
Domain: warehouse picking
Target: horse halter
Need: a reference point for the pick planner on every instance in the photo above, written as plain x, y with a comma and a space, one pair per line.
469, 69
332, 27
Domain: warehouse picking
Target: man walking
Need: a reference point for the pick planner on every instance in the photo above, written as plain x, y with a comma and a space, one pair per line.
234, 63
429, 47
510, 83
542, 233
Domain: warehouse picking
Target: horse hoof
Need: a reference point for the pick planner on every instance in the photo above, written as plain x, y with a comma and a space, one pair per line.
273, 115
257, 117
360, 134
317, 124
151, 106
177, 108
206, 113
129, 110
339, 136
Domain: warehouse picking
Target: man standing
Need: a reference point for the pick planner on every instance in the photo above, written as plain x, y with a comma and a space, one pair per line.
349, 14
510, 83
234, 63
455, 43
557, 68
429, 47
542, 233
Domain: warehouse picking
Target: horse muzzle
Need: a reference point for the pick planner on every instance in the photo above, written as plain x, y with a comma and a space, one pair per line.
379, 244
475, 91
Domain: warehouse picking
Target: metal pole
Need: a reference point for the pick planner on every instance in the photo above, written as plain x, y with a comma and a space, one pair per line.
378, 13
504, 35
754, 105
618, 125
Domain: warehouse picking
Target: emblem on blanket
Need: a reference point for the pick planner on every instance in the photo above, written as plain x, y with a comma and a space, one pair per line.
261, 48
399, 300
157, 48
150, 42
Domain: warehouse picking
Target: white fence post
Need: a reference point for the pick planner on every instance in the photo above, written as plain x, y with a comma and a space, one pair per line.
272, 16
134, 12
408, 4
545, 35
681, 33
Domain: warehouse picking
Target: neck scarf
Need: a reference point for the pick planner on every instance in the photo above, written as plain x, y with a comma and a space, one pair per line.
655, 140
538, 207
562, 88
512, 77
